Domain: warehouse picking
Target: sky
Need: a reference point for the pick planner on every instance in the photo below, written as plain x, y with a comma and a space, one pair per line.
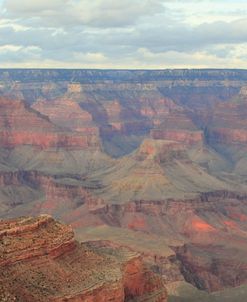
128, 34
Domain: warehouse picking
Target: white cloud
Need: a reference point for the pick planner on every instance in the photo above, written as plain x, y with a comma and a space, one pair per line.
9, 47
17, 54
15, 26
16, 48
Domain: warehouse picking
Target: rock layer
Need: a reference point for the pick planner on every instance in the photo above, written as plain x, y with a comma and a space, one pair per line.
41, 261
20, 125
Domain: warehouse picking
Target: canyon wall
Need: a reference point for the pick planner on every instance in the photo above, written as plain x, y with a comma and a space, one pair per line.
155, 160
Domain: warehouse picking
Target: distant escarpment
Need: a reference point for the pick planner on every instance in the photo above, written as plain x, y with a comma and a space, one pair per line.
41, 261
121, 106
194, 88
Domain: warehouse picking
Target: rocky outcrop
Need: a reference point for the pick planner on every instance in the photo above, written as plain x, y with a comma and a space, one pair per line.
41, 261
204, 267
226, 124
186, 137
68, 114
55, 245
228, 136
10, 178
20, 125
191, 221
70, 202
160, 150
11, 139
214, 227
67, 201
122, 106
177, 126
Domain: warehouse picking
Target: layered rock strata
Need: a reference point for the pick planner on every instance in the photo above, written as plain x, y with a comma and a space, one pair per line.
41, 261
21, 125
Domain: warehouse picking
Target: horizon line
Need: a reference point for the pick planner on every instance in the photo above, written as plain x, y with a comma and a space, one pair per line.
120, 69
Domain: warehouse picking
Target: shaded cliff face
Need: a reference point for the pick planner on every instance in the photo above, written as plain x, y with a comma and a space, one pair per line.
226, 123
211, 267
225, 130
54, 267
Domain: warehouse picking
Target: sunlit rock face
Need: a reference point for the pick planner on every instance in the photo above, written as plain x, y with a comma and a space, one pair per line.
65, 113
21, 125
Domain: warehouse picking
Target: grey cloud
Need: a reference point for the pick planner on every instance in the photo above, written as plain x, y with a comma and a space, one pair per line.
156, 38
181, 37
112, 31
13, 54
98, 13
26, 7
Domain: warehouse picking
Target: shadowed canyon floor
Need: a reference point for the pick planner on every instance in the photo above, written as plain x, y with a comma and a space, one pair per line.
154, 161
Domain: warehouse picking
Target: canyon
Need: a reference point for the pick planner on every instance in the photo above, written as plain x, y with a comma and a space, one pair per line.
149, 165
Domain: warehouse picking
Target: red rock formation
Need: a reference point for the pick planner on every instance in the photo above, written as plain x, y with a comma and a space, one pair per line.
213, 225
122, 120
160, 149
12, 138
158, 109
226, 123
204, 266
20, 125
41, 261
228, 136
176, 125
139, 113
183, 136
73, 202
67, 113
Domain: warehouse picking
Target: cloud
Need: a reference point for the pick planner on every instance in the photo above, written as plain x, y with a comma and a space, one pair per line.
26, 6
103, 13
196, 59
15, 26
129, 33
19, 54
182, 37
